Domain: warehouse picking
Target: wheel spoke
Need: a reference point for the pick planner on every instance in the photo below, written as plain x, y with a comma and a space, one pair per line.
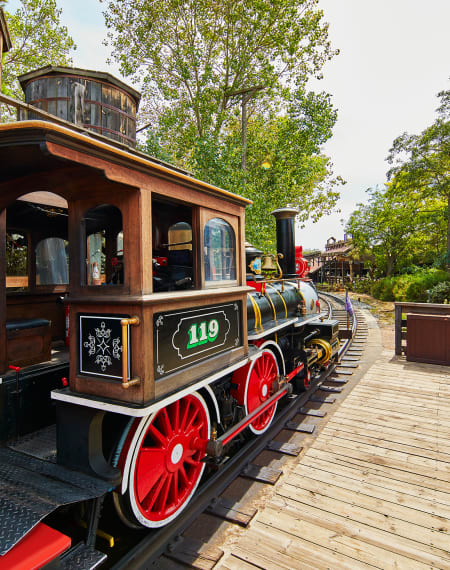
149, 470
152, 496
162, 500
191, 420
175, 487
164, 419
187, 405
156, 434
175, 415
183, 474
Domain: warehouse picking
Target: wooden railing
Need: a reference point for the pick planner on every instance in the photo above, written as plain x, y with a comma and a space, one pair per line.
417, 308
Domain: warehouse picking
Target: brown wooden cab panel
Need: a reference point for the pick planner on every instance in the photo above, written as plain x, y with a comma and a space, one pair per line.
153, 362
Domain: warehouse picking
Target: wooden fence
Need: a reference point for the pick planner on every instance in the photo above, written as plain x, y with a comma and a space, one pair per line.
401, 309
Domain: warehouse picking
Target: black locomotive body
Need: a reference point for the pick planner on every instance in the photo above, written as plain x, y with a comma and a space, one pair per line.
135, 334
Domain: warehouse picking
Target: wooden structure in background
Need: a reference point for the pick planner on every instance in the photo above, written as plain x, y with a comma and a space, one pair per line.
335, 264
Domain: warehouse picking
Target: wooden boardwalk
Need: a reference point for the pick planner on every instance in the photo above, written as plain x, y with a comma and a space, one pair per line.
373, 490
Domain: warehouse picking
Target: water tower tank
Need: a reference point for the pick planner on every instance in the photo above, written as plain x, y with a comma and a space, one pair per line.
94, 100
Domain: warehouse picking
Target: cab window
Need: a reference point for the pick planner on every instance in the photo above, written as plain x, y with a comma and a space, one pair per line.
104, 254
172, 246
16, 260
52, 262
219, 252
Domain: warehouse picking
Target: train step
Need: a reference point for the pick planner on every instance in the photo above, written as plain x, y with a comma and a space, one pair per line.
31, 488
82, 557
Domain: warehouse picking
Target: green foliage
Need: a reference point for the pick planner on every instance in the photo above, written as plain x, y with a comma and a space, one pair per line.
384, 229
407, 223
16, 255
198, 61
299, 175
421, 165
440, 293
38, 39
192, 58
412, 287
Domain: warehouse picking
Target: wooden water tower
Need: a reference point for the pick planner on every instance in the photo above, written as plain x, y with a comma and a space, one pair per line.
94, 100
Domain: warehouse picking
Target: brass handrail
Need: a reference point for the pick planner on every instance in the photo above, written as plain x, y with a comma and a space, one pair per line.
127, 382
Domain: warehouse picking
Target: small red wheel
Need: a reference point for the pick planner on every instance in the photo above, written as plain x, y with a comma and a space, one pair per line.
255, 384
165, 463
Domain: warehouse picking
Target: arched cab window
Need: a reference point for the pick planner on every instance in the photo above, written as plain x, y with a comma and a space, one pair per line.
52, 266
219, 252
104, 255
16, 261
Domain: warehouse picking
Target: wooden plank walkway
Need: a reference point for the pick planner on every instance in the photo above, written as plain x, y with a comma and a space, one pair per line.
373, 490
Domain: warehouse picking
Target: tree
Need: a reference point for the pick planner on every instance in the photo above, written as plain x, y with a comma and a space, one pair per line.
393, 230
38, 39
296, 174
196, 59
421, 165
199, 62
299, 175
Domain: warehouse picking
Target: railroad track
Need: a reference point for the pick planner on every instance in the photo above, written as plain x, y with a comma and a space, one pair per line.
168, 541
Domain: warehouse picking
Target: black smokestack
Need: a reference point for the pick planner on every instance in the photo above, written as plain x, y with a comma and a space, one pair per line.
285, 218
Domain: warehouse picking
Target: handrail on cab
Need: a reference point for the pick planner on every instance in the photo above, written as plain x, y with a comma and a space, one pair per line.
127, 382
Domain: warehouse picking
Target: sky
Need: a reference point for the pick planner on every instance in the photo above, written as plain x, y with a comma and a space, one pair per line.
394, 59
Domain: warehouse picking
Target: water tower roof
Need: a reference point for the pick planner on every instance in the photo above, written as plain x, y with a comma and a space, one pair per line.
82, 73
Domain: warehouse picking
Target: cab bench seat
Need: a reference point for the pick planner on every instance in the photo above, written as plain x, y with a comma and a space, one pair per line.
28, 341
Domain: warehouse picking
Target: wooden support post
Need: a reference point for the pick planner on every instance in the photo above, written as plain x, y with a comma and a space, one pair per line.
3, 362
398, 329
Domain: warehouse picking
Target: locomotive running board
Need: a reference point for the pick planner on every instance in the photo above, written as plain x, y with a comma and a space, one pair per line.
65, 395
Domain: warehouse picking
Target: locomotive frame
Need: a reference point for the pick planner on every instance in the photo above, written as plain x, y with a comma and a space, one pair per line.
176, 347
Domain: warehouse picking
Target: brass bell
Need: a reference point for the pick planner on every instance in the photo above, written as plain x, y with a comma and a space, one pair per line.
268, 263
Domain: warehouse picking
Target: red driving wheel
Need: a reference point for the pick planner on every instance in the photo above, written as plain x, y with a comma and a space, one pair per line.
165, 465
255, 384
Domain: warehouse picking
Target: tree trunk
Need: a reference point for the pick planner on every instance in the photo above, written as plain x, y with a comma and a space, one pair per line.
390, 266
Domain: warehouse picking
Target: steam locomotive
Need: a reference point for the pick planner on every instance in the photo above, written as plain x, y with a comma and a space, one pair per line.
139, 336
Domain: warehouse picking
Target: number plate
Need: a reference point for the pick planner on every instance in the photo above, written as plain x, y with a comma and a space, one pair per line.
189, 336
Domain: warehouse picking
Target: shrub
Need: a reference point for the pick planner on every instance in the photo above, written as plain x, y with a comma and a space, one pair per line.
440, 293
409, 287
362, 285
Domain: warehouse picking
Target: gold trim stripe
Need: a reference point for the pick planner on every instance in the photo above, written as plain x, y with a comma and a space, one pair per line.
281, 297
256, 310
267, 296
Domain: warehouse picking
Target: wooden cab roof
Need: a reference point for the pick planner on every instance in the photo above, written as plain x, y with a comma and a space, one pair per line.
44, 151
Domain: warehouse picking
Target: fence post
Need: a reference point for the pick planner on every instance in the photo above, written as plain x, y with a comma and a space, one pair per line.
398, 329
